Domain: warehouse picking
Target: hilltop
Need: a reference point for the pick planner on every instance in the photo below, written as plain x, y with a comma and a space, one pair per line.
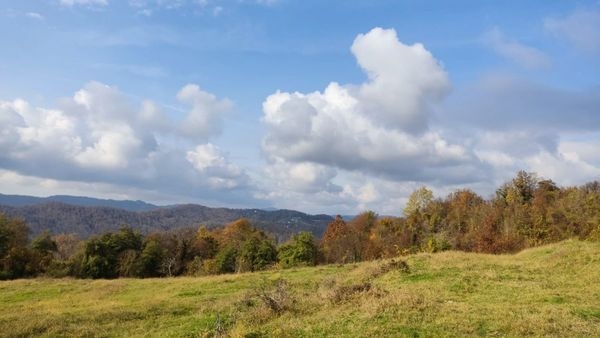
551, 290
86, 216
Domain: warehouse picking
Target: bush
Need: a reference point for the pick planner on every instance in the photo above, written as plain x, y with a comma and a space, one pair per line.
275, 296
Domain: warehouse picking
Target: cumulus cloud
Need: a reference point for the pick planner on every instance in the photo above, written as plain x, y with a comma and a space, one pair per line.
204, 120
98, 135
379, 126
367, 146
403, 80
581, 28
585, 150
208, 159
562, 166
304, 177
519, 53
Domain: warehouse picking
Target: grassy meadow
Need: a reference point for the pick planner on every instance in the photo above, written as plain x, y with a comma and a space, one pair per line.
552, 290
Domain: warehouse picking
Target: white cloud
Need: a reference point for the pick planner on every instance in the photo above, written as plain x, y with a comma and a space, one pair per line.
519, 53
111, 149
566, 168
152, 117
98, 135
378, 127
84, 2
208, 159
585, 150
357, 147
581, 28
205, 118
34, 15
367, 146
304, 177
403, 80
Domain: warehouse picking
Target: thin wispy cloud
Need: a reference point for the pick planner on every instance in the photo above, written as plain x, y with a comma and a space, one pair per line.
581, 28
34, 15
523, 55
71, 3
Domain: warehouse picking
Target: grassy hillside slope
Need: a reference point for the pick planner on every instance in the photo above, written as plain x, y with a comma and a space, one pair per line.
547, 291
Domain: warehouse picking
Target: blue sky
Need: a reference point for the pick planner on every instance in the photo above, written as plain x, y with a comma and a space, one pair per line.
321, 106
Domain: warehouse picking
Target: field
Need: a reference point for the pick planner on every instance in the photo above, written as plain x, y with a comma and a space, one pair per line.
552, 290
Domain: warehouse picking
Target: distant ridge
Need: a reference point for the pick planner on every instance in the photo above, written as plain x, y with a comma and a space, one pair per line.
22, 200
86, 216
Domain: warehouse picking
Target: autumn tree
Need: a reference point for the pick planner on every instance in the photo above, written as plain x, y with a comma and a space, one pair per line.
338, 242
463, 217
243, 248
387, 238
360, 233
418, 220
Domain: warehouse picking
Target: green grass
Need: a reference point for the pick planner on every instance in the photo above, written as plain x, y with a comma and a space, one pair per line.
547, 291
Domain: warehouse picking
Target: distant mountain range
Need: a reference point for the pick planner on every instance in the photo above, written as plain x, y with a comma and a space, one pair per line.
21, 200
88, 216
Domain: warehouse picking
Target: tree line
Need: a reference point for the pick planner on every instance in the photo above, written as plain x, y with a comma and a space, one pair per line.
525, 212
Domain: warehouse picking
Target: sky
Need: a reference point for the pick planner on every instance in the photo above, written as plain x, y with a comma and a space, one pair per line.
329, 107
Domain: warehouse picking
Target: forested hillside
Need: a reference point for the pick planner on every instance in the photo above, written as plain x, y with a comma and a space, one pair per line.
525, 212
22, 200
85, 221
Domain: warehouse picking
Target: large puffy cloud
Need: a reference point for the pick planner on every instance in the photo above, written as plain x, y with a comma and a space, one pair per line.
403, 80
367, 146
204, 120
98, 135
208, 159
304, 177
380, 126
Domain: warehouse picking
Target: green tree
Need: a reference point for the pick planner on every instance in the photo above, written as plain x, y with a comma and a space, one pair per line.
44, 249
112, 254
300, 250
150, 260
256, 254
16, 260
225, 261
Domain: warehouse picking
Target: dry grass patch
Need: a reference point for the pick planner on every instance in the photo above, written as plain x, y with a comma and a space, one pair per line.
546, 291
